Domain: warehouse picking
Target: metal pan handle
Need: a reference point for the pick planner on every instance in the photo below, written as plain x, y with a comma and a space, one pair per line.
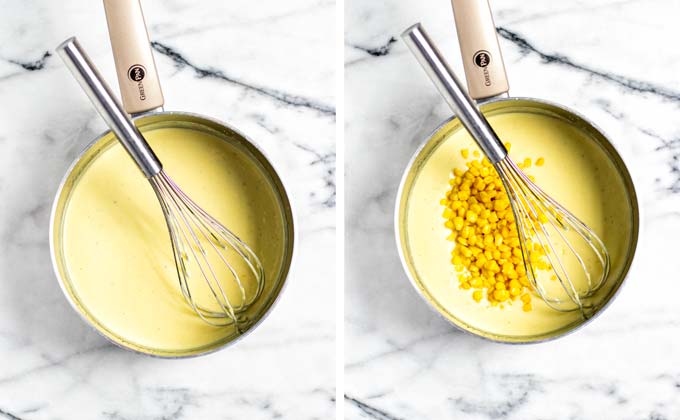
138, 80
482, 58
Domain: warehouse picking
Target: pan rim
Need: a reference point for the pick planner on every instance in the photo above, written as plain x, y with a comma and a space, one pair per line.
563, 331
282, 192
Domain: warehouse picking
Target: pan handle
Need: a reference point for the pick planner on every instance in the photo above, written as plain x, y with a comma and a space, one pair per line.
482, 59
138, 80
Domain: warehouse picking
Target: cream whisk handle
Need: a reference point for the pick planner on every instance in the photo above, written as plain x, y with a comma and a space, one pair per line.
109, 108
453, 92
138, 80
482, 58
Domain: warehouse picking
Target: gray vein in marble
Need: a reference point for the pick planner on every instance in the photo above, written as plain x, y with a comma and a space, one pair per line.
34, 409
671, 145
371, 411
327, 160
378, 51
113, 415
9, 415
38, 64
399, 348
610, 390
290, 341
209, 72
249, 22
321, 229
173, 401
628, 83
263, 122
371, 52
519, 388
582, 8
33, 65
606, 106
51, 363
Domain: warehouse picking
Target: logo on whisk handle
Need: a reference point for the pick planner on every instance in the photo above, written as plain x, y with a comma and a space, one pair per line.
136, 73
482, 58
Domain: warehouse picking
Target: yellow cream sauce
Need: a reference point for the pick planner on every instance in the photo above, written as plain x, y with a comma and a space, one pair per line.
117, 250
577, 172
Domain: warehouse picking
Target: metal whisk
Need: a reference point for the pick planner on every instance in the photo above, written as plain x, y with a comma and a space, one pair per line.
545, 227
207, 254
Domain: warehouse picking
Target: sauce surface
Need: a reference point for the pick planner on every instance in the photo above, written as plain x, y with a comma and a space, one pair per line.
577, 172
117, 250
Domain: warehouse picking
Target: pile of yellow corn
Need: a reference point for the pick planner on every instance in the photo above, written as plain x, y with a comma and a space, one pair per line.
487, 253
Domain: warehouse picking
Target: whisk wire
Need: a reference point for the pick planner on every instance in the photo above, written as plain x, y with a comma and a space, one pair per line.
593, 241
541, 221
240, 247
189, 227
184, 236
585, 232
177, 248
562, 274
521, 213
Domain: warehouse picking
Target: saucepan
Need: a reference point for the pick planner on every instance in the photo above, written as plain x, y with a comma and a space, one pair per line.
582, 170
98, 274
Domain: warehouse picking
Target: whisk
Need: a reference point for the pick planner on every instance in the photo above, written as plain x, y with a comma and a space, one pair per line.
207, 254
575, 254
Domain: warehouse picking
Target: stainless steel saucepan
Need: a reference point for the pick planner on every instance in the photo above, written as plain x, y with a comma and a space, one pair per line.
419, 226
143, 99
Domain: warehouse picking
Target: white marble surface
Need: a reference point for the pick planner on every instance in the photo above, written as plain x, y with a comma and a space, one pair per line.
265, 67
614, 61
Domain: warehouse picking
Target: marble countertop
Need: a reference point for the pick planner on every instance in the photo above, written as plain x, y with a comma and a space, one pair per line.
247, 63
614, 61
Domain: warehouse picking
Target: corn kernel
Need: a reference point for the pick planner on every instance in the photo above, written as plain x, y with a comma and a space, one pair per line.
501, 295
487, 250
477, 295
540, 161
501, 204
